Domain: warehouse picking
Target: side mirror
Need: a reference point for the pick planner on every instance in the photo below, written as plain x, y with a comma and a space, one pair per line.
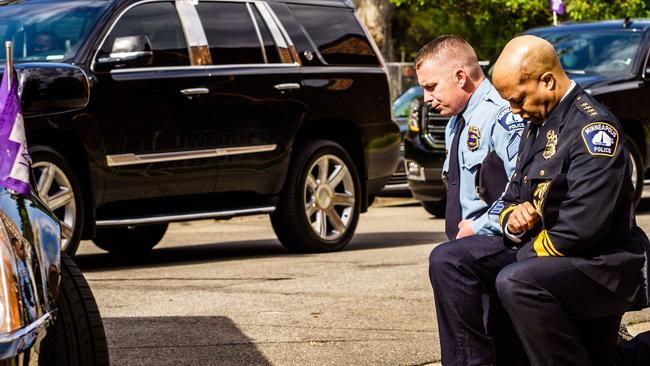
48, 88
130, 51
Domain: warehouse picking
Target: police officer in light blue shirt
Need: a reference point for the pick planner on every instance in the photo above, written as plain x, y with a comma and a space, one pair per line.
489, 126
463, 271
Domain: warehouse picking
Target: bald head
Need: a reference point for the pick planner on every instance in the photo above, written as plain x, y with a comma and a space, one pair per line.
529, 75
527, 57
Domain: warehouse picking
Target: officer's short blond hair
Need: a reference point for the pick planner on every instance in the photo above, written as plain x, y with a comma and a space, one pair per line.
450, 48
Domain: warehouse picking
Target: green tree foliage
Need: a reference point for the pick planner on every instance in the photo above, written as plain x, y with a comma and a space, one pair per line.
489, 24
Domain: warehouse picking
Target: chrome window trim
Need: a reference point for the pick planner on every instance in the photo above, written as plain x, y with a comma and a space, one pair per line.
276, 29
306, 70
117, 19
343, 69
159, 68
278, 23
270, 23
251, 66
257, 31
645, 64
191, 24
135, 159
201, 67
192, 29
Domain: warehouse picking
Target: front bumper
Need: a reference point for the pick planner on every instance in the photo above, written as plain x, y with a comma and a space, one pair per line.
397, 183
423, 168
20, 340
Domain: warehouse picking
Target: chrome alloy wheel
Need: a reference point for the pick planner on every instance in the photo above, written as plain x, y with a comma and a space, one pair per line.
55, 191
329, 197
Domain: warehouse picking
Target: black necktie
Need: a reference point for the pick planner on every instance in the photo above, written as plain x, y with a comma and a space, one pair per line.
453, 213
529, 142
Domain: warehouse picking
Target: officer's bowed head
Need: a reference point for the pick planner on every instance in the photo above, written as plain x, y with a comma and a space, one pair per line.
448, 71
528, 74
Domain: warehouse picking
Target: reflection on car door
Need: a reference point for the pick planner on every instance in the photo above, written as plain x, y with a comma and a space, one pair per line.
254, 86
155, 119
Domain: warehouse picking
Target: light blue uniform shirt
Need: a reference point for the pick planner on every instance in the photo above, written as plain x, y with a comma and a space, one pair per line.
489, 125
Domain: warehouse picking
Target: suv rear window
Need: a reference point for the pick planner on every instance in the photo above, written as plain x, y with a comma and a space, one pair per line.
336, 33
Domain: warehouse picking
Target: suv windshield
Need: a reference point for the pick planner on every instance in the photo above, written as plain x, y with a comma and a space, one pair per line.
47, 31
598, 51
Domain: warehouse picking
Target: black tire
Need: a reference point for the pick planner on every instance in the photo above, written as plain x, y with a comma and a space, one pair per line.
74, 213
136, 239
77, 337
435, 208
639, 166
290, 221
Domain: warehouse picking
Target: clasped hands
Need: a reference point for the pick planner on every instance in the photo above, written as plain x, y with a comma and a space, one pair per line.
522, 218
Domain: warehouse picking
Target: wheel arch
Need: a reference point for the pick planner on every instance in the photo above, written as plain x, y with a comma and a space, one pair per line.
637, 133
345, 133
73, 150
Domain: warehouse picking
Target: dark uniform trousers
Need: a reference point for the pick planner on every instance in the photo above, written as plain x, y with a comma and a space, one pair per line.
562, 316
473, 327
580, 269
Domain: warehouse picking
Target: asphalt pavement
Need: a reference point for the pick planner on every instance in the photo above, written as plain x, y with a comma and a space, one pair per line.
227, 293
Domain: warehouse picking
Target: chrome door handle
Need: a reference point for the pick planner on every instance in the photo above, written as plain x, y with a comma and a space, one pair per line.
195, 91
287, 86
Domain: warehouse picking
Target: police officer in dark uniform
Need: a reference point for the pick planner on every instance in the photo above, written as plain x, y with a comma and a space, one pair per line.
569, 212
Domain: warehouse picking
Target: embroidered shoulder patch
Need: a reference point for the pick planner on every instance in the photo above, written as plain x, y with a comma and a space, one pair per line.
513, 146
601, 139
509, 121
496, 208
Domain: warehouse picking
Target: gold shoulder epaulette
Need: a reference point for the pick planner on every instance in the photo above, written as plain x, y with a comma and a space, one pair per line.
589, 109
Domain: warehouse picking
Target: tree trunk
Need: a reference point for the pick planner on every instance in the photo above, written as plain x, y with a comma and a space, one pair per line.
376, 15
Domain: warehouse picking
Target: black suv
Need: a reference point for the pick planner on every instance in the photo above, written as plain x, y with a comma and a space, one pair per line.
610, 59
203, 109
424, 156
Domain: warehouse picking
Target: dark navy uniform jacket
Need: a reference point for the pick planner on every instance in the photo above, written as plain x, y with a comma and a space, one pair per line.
576, 173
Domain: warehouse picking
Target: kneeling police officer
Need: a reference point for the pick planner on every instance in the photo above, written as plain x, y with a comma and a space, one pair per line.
569, 211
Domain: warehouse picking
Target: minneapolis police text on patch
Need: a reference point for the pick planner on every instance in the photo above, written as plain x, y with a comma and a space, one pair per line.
508, 120
600, 138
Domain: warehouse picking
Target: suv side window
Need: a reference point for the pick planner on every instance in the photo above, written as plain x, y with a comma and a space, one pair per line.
159, 22
232, 35
336, 33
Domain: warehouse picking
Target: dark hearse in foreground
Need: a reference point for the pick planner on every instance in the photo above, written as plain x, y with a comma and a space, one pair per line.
610, 59
206, 109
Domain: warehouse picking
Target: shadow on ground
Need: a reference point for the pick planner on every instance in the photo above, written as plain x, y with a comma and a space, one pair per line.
242, 250
179, 341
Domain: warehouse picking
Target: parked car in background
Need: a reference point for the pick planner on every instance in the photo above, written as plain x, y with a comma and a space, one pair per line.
424, 156
397, 185
205, 109
609, 59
